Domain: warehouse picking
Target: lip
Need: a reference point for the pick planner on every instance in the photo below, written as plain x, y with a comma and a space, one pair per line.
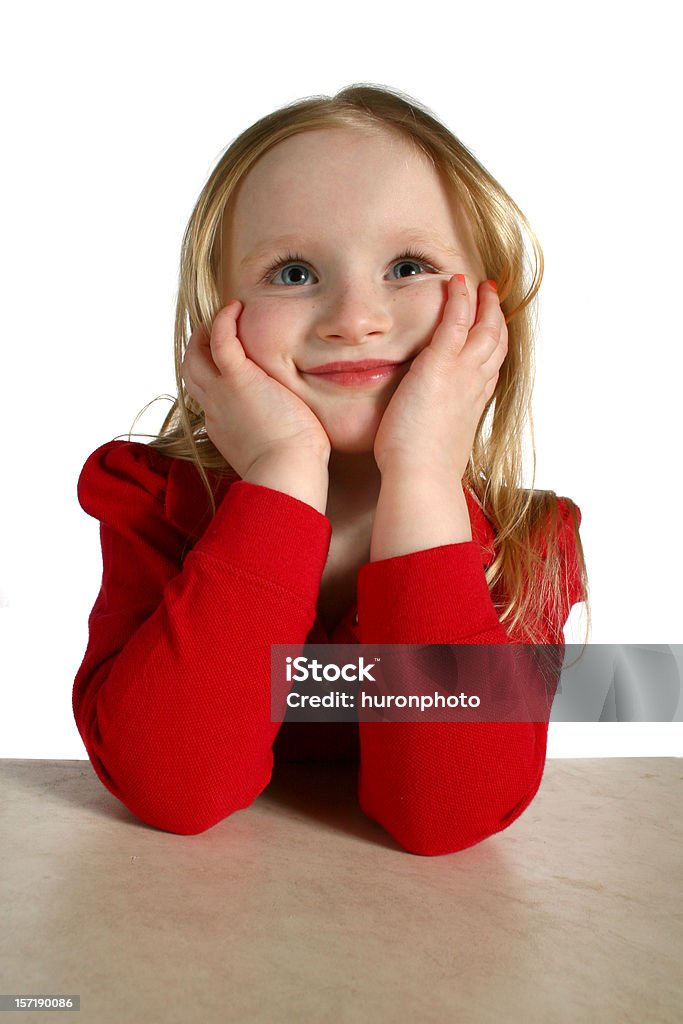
359, 373
352, 366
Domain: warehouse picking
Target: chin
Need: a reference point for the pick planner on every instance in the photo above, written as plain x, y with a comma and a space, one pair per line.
354, 437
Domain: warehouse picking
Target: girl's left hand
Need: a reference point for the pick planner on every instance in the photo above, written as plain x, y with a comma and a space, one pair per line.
433, 415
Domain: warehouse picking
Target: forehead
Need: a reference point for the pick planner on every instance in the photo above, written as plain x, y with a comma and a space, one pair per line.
333, 174
339, 152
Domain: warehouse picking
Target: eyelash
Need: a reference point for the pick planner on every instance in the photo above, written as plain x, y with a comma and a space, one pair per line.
416, 255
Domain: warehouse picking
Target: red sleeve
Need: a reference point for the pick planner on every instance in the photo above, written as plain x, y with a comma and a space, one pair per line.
438, 787
172, 699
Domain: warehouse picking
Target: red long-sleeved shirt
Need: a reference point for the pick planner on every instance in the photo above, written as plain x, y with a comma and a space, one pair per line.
172, 699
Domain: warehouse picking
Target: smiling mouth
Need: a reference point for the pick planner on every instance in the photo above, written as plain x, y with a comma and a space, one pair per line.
357, 375
352, 365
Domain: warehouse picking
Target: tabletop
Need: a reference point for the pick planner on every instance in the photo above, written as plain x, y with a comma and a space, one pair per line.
301, 909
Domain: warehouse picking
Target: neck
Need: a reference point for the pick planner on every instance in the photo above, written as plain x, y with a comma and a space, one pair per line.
354, 485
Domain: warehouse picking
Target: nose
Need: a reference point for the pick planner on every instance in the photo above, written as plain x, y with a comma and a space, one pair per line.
353, 312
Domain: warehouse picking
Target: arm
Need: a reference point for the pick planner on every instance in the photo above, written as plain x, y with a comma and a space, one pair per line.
172, 699
431, 507
438, 787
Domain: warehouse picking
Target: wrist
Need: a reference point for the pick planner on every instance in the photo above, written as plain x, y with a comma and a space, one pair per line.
300, 473
411, 466
418, 509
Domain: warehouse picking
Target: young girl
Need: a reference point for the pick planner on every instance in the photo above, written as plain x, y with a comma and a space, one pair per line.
342, 464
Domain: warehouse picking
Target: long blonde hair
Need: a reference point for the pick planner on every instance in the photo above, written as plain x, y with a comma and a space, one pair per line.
526, 582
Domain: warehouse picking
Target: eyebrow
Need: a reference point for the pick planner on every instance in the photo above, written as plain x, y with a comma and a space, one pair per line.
408, 236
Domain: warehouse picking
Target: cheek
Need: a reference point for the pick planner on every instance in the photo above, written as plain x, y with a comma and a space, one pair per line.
264, 331
422, 306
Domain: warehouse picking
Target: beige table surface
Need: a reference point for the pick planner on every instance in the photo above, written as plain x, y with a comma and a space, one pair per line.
300, 909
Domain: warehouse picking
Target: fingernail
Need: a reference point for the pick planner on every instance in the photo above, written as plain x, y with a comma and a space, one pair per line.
493, 285
460, 277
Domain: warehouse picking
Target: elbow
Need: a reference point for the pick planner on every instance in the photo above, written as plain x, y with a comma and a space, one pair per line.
191, 813
454, 817
435, 838
449, 832
187, 806
190, 818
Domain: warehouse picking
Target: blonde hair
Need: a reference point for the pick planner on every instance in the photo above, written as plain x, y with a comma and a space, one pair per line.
526, 583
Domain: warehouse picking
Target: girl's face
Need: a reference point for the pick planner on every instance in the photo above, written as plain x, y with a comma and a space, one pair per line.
348, 207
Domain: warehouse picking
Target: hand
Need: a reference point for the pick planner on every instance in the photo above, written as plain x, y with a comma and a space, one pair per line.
248, 414
433, 415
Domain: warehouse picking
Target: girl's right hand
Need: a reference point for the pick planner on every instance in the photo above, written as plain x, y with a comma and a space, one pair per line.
248, 414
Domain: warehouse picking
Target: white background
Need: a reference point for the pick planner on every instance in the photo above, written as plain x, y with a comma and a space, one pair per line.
113, 119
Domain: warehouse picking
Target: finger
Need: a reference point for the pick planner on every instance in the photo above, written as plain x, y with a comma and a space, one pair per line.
489, 312
224, 344
197, 364
497, 353
190, 384
485, 333
451, 332
490, 388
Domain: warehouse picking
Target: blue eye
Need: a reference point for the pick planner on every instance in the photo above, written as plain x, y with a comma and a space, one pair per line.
287, 265
404, 260
290, 258
293, 261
